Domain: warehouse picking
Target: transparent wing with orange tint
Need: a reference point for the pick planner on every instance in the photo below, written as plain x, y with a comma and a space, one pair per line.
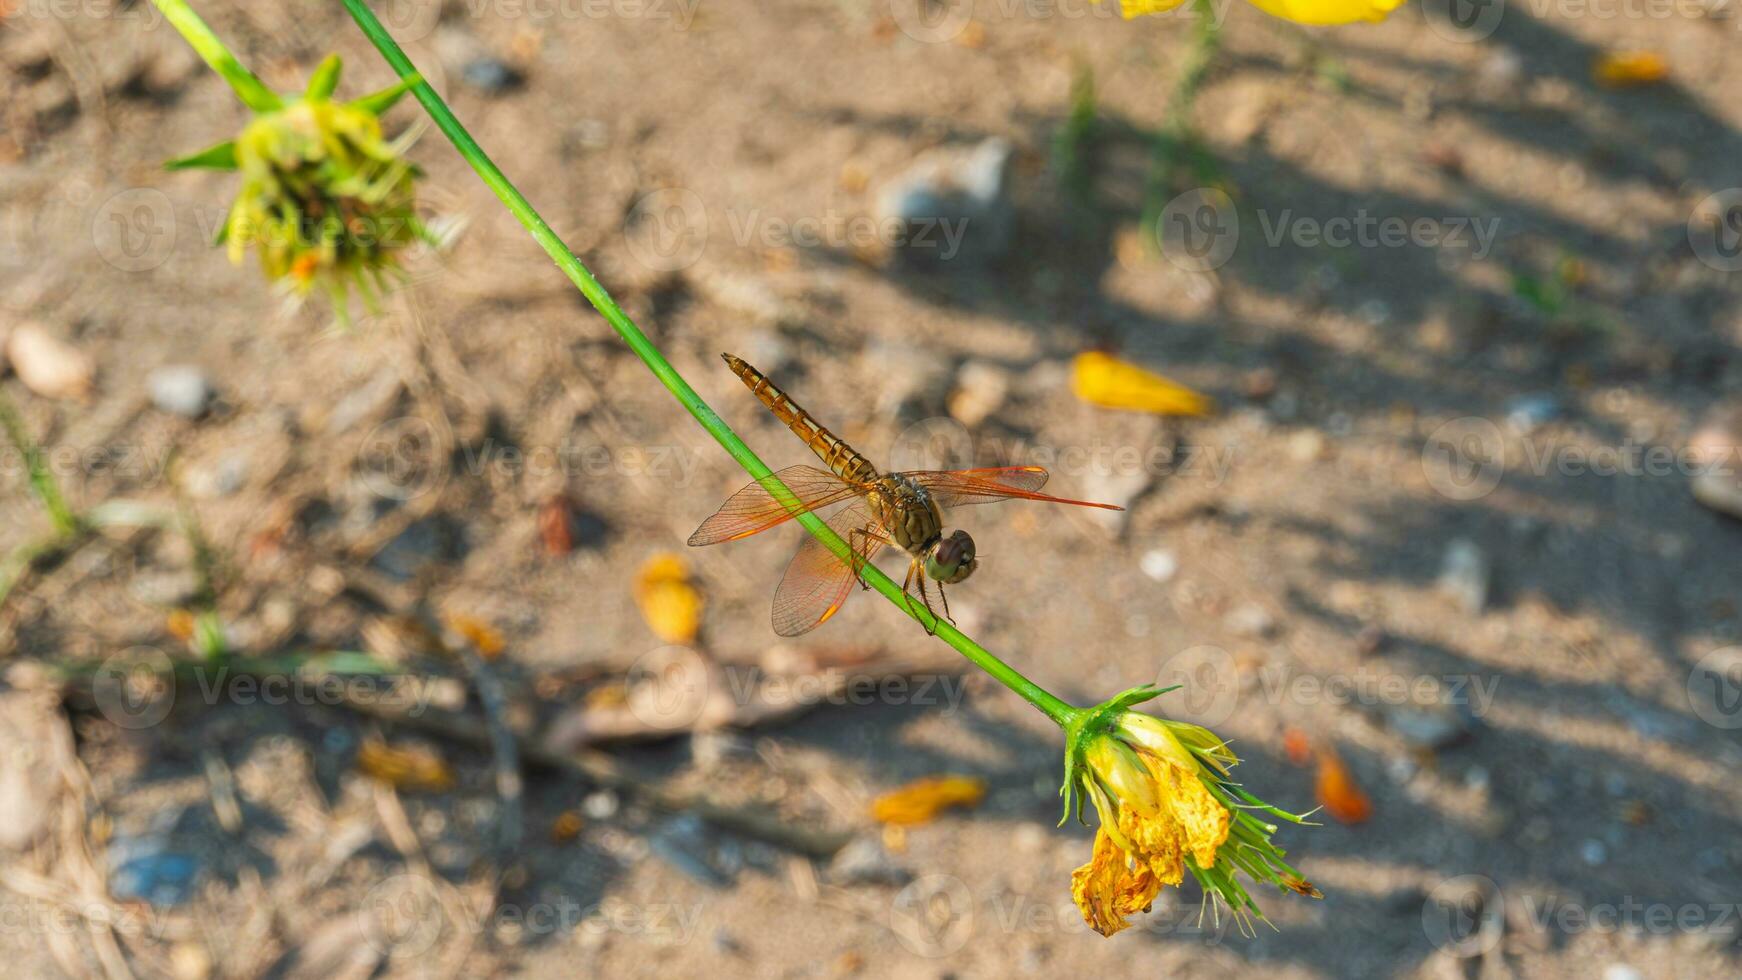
754, 509
817, 582
959, 488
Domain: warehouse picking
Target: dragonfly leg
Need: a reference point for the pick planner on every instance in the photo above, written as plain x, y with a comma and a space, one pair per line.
914, 571
853, 537
946, 600
925, 597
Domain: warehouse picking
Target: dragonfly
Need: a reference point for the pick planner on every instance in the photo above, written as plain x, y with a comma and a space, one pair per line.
902, 510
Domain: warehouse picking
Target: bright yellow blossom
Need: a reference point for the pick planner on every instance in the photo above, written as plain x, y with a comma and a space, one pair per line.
1162, 791
1317, 12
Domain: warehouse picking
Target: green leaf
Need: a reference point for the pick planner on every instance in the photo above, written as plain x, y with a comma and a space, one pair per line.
379, 102
325, 79
220, 157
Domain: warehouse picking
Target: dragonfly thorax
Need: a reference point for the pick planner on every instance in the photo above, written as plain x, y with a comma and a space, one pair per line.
910, 514
916, 526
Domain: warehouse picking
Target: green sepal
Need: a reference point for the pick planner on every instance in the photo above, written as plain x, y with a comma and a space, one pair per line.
325, 79
377, 103
219, 157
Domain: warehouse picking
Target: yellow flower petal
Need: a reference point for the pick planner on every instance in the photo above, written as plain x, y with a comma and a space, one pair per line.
1104, 380
1620, 69
1108, 889
668, 601
921, 801
1137, 8
1328, 11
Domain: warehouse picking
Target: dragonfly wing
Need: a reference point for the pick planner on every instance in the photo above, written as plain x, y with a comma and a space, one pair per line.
817, 582
754, 509
959, 488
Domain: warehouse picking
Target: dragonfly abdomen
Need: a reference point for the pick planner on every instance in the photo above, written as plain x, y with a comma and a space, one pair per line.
837, 455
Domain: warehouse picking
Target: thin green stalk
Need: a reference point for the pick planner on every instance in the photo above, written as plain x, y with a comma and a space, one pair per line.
668, 376
251, 90
66, 523
1176, 140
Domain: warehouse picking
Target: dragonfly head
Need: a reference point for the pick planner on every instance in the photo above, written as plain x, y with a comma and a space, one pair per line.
951, 559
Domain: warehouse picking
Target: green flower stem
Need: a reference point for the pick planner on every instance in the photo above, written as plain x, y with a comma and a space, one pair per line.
251, 90
1051, 706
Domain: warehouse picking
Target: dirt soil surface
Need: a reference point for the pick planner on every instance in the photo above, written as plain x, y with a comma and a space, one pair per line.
1509, 649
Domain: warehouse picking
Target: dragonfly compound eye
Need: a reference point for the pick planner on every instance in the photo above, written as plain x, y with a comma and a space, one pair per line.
952, 560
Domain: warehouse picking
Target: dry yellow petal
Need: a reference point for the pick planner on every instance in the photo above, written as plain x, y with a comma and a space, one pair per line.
486, 638
407, 767
668, 600
1104, 380
1619, 69
921, 801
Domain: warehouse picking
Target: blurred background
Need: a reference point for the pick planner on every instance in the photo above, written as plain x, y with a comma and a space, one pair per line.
1452, 553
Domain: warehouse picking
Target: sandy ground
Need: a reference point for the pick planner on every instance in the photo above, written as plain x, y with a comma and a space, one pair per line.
1285, 554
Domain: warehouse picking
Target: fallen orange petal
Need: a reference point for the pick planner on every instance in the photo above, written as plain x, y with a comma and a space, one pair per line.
1297, 746
922, 800
1342, 799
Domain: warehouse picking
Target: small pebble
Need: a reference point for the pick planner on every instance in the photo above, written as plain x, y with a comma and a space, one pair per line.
1250, 619
600, 805
1528, 412
491, 75
865, 861
1306, 445
980, 391
1465, 576
181, 389
1621, 971
1159, 564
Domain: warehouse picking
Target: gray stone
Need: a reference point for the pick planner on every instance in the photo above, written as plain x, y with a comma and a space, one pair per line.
1465, 576
951, 207
865, 862
181, 389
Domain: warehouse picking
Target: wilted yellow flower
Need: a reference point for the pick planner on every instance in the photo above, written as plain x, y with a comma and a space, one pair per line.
325, 200
1299, 11
1167, 806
